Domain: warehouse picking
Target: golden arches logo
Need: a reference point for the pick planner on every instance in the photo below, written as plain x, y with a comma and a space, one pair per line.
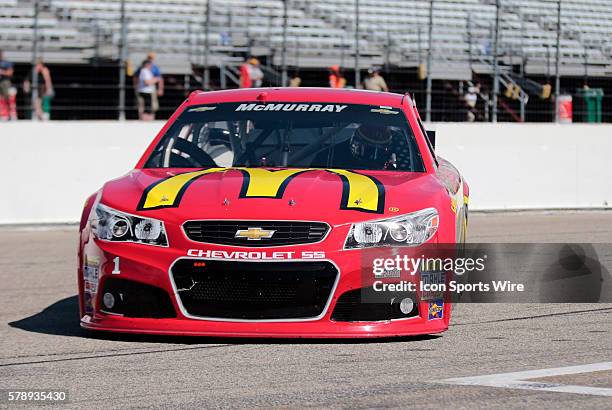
359, 192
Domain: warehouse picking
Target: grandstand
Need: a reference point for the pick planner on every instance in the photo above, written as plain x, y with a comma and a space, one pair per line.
393, 34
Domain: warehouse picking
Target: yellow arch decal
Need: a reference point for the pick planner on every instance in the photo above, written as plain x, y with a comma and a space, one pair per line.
263, 183
359, 192
168, 192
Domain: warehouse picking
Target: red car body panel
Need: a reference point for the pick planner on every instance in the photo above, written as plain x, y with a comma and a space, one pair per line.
316, 195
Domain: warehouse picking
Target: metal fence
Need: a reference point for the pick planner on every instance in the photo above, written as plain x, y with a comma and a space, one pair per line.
496, 90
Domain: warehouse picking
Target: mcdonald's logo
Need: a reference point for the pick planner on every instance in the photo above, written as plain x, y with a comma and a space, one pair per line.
360, 192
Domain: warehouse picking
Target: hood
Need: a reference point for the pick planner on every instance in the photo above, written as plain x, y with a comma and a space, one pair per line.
332, 196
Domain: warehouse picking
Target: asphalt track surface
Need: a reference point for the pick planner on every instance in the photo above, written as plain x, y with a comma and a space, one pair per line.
42, 346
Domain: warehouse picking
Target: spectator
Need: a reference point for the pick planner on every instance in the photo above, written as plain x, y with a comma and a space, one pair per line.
146, 89
250, 74
375, 82
256, 74
471, 98
245, 76
225, 38
159, 86
295, 80
336, 78
8, 93
42, 105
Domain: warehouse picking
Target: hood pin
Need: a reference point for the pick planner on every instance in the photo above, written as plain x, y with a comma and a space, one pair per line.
291, 202
226, 202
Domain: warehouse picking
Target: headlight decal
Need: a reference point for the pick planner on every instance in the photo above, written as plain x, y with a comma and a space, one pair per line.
110, 225
411, 229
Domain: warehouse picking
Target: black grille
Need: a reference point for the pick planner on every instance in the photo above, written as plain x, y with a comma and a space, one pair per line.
285, 232
254, 290
367, 305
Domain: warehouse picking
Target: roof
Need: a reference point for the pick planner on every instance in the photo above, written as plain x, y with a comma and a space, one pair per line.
301, 94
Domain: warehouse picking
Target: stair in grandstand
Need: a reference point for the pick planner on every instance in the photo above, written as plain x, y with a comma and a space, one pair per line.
508, 113
456, 104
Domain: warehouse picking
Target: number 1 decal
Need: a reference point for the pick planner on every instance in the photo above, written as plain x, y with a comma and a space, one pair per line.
116, 270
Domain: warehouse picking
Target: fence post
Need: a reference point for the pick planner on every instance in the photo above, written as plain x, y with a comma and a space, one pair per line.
357, 73
122, 64
34, 82
206, 74
429, 55
557, 73
495, 63
284, 49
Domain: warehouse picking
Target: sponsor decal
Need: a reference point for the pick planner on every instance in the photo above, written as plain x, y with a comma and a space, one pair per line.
255, 255
360, 192
383, 111
91, 274
201, 109
432, 285
453, 204
435, 309
394, 209
387, 273
332, 108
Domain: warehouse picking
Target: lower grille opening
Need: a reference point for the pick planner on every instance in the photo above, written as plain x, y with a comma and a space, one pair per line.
254, 290
367, 305
134, 299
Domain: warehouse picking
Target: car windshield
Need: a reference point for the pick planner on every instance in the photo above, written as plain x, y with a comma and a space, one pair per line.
289, 135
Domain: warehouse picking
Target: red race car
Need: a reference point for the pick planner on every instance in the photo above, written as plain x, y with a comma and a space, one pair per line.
256, 212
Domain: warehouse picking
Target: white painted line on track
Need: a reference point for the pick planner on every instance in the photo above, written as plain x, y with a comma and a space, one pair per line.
517, 380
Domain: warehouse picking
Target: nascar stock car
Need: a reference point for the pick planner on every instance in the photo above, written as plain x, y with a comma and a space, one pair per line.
250, 213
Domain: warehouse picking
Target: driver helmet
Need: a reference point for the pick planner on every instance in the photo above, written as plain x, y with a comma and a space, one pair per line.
371, 143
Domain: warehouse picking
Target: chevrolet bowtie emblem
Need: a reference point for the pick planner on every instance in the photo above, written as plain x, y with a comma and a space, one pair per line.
254, 234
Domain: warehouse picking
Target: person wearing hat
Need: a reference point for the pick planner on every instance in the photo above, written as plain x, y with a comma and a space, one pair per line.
375, 82
256, 73
250, 74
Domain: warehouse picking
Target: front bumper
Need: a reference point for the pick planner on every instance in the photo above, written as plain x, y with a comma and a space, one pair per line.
152, 266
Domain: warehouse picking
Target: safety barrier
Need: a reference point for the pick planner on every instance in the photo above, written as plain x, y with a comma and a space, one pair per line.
531, 166
48, 169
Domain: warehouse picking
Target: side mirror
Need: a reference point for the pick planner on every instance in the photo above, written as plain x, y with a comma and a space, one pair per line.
431, 136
